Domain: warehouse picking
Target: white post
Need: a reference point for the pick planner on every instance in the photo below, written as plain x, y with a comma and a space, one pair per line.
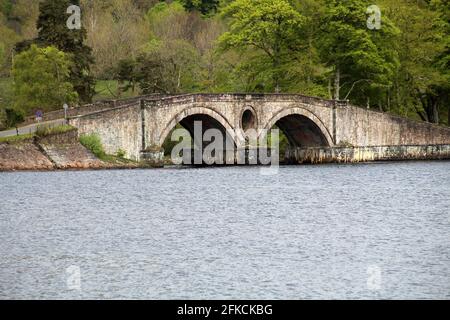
65, 106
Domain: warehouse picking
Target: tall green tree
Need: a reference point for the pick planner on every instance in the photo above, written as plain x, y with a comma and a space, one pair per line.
267, 28
307, 73
418, 84
357, 55
168, 67
443, 62
53, 31
42, 80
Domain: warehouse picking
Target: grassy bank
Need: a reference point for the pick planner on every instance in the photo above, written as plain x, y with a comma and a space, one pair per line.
16, 139
41, 132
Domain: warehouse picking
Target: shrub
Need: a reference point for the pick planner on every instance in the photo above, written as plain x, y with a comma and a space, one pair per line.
13, 117
93, 143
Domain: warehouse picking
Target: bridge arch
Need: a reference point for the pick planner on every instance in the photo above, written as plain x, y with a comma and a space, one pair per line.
209, 117
302, 127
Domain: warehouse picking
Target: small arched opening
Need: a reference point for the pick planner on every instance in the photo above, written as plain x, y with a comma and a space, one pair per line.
249, 120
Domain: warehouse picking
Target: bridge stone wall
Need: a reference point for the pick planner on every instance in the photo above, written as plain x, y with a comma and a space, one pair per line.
145, 124
118, 128
361, 127
162, 115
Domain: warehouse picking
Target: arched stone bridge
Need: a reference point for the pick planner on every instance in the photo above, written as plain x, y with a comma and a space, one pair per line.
308, 123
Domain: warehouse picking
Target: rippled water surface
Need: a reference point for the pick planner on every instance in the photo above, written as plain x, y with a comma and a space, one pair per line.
339, 231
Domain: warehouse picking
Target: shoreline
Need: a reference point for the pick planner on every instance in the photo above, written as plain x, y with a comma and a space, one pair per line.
63, 151
184, 167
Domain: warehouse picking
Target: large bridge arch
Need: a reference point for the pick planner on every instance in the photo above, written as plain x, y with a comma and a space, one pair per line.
213, 118
301, 126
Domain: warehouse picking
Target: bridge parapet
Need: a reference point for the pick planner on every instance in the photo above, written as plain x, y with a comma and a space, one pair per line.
91, 108
237, 97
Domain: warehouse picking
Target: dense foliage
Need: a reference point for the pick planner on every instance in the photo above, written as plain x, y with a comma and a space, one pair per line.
53, 31
315, 47
42, 79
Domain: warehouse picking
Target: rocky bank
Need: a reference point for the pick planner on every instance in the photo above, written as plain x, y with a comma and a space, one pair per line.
59, 151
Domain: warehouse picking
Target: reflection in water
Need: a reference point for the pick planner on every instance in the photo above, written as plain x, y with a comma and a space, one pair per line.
350, 231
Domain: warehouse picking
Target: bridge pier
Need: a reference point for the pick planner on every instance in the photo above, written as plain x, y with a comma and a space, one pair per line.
153, 157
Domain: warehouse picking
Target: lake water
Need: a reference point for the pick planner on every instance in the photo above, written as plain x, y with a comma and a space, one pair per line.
327, 232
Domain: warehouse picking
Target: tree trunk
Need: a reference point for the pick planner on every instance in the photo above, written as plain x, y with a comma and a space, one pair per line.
276, 76
310, 63
448, 117
430, 105
337, 84
330, 94
277, 87
435, 112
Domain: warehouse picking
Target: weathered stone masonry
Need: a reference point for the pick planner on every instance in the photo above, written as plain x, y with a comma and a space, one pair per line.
307, 122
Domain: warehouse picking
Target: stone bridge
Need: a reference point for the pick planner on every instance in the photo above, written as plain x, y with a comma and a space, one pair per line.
318, 130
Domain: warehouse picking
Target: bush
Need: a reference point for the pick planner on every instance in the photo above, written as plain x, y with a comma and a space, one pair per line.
13, 117
93, 143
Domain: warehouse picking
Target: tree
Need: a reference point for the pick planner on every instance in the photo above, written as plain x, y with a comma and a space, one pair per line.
116, 30
355, 53
13, 118
271, 27
53, 31
307, 73
2, 53
6, 99
204, 6
42, 79
168, 67
418, 84
126, 74
8, 39
443, 62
